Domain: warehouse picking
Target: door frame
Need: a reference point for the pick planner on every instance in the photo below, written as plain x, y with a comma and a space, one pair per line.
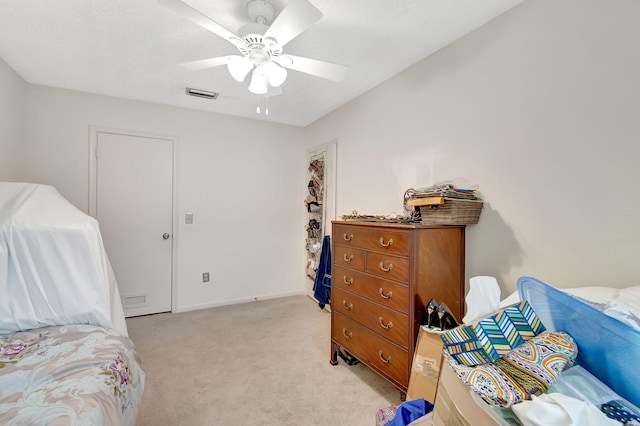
330, 153
93, 200
329, 210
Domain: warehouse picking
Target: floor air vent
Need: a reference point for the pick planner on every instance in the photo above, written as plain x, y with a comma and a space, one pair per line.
134, 301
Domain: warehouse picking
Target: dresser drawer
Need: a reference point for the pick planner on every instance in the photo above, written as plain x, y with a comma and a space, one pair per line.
384, 321
349, 257
378, 239
391, 294
386, 357
391, 267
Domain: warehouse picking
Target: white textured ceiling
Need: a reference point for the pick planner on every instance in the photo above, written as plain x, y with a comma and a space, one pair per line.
132, 48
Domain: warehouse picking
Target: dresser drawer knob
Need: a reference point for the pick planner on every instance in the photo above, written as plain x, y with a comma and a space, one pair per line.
387, 244
383, 325
347, 237
347, 307
387, 269
385, 296
386, 360
349, 258
348, 335
349, 281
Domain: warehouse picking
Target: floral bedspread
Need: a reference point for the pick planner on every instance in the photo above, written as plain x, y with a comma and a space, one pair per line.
69, 375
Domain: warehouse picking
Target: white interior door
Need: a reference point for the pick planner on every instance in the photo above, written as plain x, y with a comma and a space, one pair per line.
133, 178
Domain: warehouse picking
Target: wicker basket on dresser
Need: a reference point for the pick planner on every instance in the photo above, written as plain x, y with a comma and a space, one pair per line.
383, 275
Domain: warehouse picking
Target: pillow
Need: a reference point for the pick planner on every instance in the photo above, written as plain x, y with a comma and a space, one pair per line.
529, 369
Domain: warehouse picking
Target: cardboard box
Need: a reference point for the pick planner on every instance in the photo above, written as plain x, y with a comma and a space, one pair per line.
457, 405
427, 360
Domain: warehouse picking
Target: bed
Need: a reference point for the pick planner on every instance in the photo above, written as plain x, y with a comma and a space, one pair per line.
72, 374
65, 355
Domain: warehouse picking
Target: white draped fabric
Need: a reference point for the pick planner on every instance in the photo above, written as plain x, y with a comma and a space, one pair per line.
53, 266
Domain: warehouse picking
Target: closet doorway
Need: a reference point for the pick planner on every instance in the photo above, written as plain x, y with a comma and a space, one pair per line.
322, 166
131, 196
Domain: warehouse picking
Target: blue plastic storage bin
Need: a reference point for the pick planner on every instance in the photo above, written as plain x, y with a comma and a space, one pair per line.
608, 348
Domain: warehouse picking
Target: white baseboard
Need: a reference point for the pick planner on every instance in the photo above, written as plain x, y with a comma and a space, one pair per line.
237, 301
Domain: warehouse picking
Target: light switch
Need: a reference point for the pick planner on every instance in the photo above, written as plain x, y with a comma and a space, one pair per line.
188, 218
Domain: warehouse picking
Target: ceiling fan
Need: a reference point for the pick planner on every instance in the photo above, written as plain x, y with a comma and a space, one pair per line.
260, 45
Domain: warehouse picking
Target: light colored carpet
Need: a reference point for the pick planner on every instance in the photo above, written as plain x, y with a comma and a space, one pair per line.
260, 363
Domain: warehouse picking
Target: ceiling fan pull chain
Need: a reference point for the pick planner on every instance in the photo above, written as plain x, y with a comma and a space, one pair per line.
266, 105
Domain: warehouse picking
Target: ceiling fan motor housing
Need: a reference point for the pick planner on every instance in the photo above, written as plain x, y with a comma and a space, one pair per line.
260, 11
256, 47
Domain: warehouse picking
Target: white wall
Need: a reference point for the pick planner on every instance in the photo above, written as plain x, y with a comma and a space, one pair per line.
539, 109
12, 124
242, 179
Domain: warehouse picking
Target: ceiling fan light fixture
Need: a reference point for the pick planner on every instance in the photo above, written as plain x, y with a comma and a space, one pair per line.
239, 67
258, 83
275, 73
285, 60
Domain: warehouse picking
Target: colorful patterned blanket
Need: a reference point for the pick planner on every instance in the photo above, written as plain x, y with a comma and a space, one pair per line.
69, 375
530, 369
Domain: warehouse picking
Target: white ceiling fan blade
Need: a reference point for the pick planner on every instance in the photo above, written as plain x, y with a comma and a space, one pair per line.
322, 69
206, 63
296, 17
186, 11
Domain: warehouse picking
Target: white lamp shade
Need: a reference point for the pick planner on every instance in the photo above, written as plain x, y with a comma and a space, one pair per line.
258, 83
239, 67
275, 73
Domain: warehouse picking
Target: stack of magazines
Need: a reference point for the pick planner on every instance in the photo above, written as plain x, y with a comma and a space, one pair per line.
443, 190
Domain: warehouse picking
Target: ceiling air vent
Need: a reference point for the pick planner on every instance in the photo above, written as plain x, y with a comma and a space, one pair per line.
202, 93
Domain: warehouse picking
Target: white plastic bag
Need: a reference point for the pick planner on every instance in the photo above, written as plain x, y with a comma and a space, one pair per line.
483, 298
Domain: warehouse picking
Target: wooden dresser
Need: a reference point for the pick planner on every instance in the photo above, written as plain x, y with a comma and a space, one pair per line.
382, 277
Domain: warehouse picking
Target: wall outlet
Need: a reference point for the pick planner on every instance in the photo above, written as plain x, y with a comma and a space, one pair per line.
205, 277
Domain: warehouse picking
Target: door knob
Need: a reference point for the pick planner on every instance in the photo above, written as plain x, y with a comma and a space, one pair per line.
165, 236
